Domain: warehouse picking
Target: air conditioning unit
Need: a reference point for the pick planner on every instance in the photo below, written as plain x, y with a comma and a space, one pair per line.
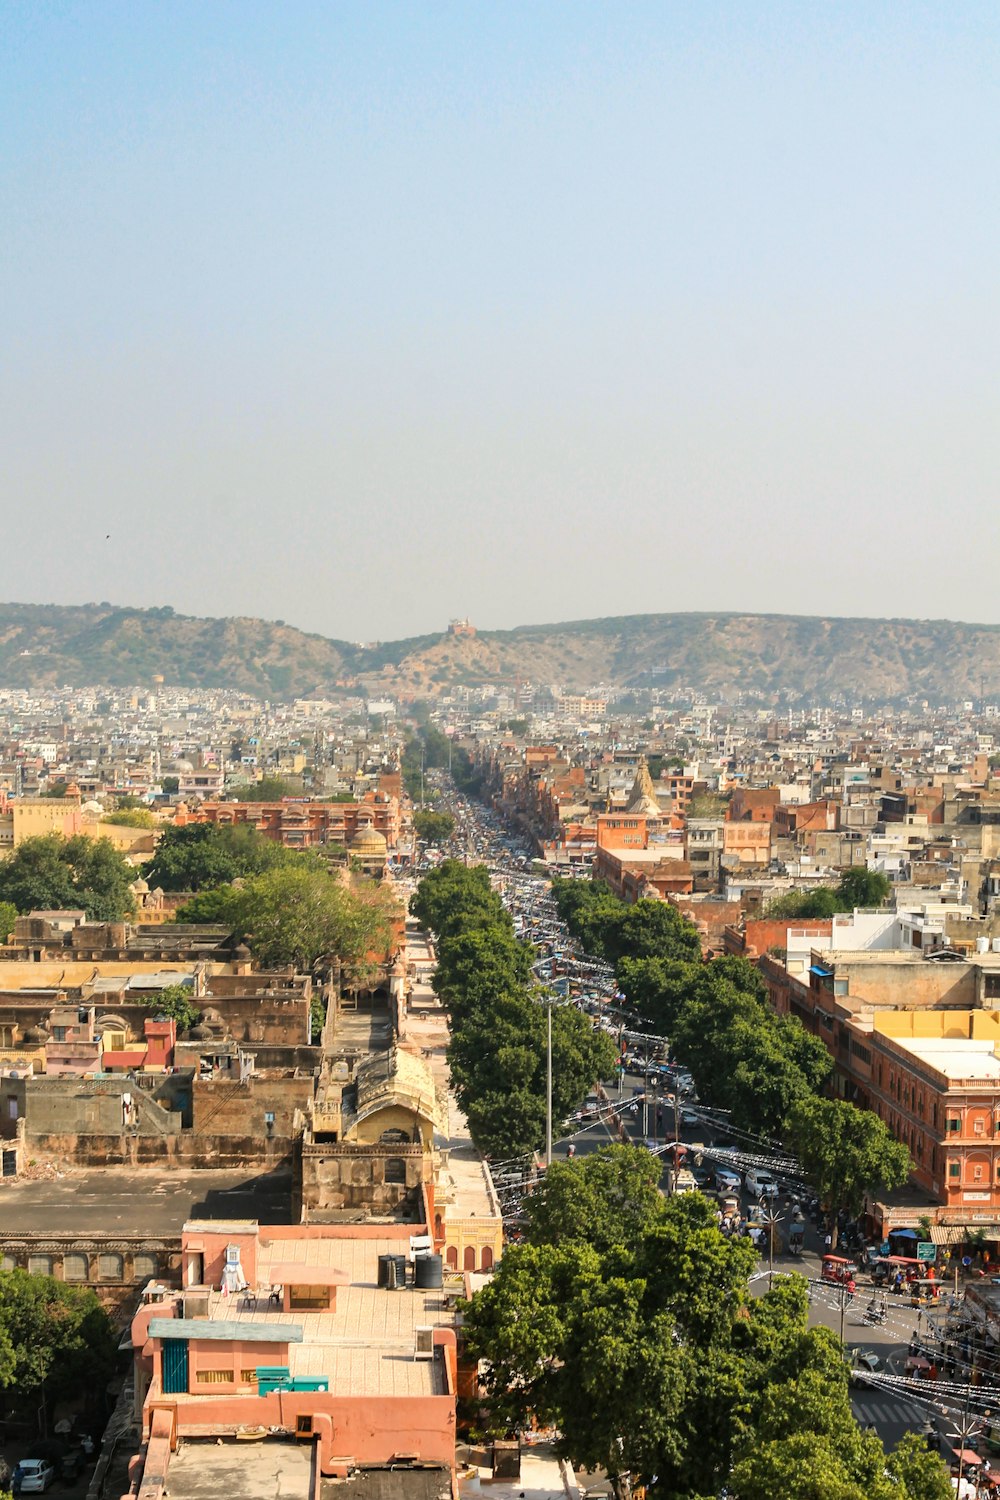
424, 1347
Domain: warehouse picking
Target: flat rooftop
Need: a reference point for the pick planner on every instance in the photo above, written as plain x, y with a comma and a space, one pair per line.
205, 1469
367, 1345
955, 1057
124, 1200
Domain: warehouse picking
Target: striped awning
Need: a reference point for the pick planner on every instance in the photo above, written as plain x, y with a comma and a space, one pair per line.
957, 1234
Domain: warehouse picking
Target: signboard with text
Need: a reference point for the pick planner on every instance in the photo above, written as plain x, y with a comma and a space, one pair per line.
926, 1250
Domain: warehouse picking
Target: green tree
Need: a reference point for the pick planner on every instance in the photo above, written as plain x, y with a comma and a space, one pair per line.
477, 965
8, 916
299, 915
845, 1152
454, 897
171, 785
818, 904
50, 872
131, 817
176, 1002
860, 887
213, 907
198, 856
609, 1198
920, 1474
61, 1339
433, 827
498, 1066
268, 789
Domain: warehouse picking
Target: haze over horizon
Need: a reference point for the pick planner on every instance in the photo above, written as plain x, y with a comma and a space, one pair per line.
364, 317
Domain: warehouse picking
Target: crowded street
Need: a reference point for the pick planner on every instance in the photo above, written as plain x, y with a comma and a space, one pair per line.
896, 1349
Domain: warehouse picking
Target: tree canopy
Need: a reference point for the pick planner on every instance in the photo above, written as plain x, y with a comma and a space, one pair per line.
845, 1152
609, 1198
433, 827
177, 1002
52, 873
198, 856
53, 1337
131, 817
858, 888
297, 915
648, 1353
268, 789
497, 1053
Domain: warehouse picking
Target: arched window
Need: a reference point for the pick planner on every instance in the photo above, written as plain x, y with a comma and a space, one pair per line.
469, 1258
451, 1257
109, 1267
395, 1170
144, 1267
76, 1267
486, 1263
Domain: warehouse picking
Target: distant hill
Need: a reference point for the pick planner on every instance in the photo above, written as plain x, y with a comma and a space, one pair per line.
775, 657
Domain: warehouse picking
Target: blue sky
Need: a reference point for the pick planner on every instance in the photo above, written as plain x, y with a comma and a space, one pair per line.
366, 315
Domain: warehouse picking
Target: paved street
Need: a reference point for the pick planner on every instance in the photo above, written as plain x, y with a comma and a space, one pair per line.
891, 1414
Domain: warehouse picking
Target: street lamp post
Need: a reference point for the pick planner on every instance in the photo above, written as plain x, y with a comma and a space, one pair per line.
548, 1088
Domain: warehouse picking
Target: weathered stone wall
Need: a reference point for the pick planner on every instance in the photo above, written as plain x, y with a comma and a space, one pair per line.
113, 1265
167, 1152
338, 1179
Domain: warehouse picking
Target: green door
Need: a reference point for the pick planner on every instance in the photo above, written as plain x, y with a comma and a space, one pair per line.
175, 1367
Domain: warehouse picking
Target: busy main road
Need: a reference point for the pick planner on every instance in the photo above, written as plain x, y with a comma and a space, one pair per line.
653, 1103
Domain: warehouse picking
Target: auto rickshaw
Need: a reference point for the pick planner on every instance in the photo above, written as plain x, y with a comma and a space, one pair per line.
837, 1268
924, 1293
888, 1268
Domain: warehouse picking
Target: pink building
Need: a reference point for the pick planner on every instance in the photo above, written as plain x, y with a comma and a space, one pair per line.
287, 1329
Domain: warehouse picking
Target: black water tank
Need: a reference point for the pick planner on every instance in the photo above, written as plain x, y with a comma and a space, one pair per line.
383, 1269
428, 1272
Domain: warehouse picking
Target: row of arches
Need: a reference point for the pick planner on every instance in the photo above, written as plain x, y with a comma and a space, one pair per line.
469, 1258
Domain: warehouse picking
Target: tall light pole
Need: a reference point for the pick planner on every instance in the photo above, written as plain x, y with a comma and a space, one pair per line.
548, 1089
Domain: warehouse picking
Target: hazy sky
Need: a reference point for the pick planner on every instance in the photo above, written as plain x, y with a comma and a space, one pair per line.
365, 315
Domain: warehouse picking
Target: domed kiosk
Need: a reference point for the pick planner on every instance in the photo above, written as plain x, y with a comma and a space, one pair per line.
370, 849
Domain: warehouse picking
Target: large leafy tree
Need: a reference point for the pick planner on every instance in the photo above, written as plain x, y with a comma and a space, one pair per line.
198, 856
297, 915
433, 827
609, 1198
498, 1066
54, 1339
455, 897
845, 1152
478, 965
55, 873
498, 1048
651, 1358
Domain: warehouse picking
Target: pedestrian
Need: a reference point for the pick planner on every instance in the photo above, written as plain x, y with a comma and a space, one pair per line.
828, 1242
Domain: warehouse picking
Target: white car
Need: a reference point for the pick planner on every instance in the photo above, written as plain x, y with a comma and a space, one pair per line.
726, 1178
32, 1476
761, 1184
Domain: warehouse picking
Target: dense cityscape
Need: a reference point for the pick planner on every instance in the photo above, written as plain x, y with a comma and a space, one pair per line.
499, 751
340, 1036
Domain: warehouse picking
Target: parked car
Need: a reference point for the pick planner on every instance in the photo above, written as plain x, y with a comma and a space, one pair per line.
726, 1178
32, 1476
684, 1181
761, 1184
